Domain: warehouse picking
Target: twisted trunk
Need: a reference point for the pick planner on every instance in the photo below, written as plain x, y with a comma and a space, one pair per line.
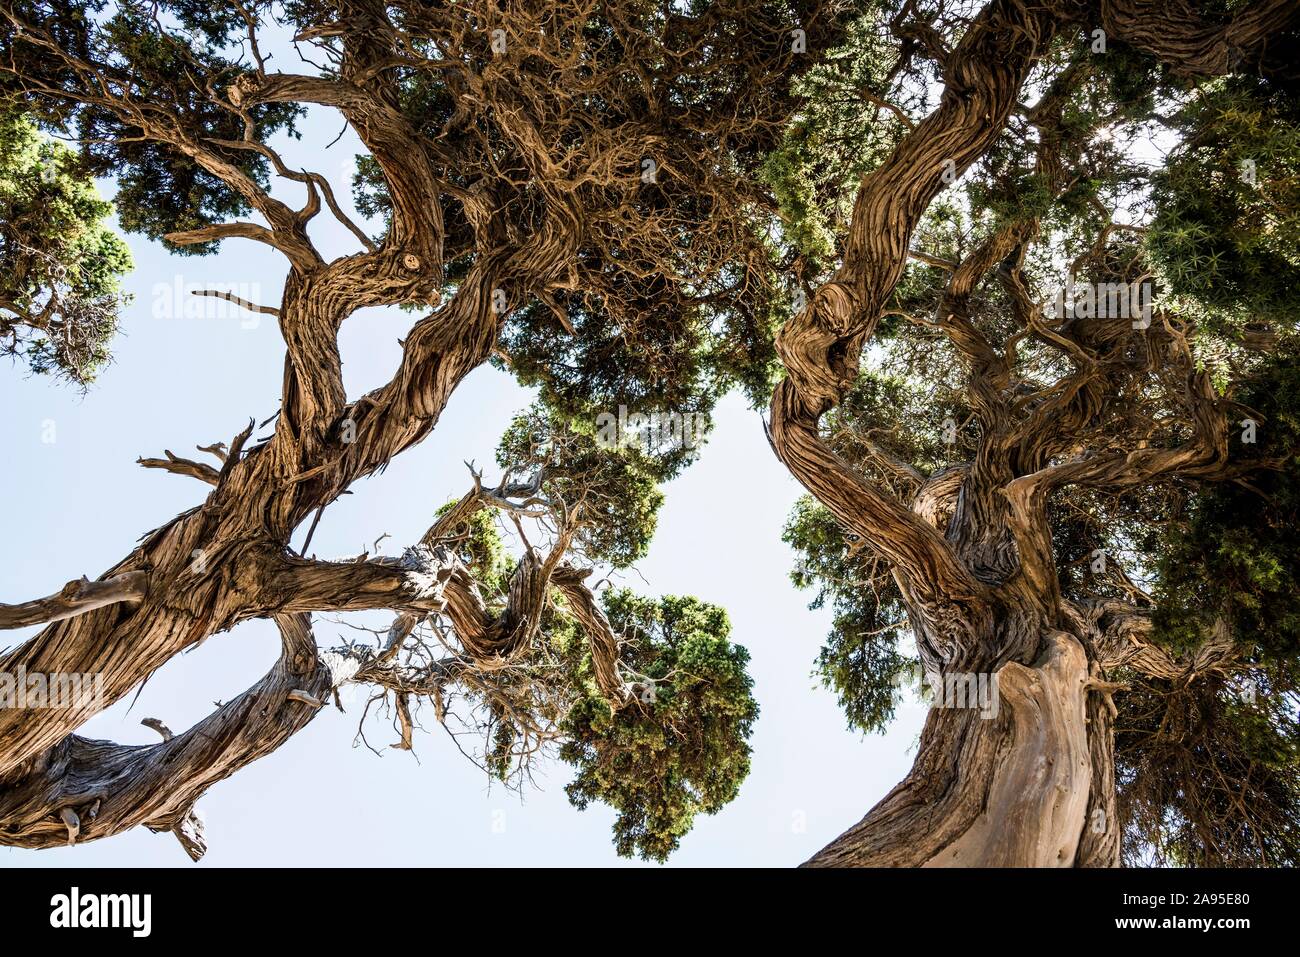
1030, 782
227, 561
1025, 783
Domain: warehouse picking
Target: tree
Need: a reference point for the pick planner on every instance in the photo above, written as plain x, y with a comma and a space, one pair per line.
1034, 375
1063, 465
566, 190
60, 300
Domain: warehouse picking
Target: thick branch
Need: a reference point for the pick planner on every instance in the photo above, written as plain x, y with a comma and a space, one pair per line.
413, 583
76, 598
1175, 32
114, 787
820, 347
600, 636
1122, 638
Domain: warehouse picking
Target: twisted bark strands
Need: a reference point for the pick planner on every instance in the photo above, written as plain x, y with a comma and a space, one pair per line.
1175, 32
113, 787
977, 597
976, 780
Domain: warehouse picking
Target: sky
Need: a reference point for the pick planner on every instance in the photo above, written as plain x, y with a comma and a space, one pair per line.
188, 374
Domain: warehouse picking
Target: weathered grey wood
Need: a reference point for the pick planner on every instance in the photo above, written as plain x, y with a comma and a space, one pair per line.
76, 598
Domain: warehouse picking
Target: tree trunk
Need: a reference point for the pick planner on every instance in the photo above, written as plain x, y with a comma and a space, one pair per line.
1023, 779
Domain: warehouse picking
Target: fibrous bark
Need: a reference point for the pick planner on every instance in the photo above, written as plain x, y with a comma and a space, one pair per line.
507, 193
1033, 786
540, 201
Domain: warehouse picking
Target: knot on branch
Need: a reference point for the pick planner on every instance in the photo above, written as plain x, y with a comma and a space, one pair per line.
820, 345
428, 569
238, 92
74, 588
162, 729
72, 821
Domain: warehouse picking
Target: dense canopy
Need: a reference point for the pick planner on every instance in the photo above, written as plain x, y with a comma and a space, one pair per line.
1013, 284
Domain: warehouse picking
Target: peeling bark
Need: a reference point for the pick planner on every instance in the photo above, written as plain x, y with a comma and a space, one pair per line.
971, 551
1010, 791
108, 788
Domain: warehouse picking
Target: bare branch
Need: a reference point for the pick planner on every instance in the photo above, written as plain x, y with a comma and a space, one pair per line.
208, 234
199, 470
76, 598
242, 303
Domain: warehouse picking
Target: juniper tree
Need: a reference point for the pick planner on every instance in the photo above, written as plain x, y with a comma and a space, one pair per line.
861, 213
1042, 395
568, 190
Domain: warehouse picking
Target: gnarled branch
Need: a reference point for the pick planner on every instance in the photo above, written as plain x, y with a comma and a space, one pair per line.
76, 598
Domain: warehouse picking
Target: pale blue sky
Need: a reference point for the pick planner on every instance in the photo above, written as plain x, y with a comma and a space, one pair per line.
78, 504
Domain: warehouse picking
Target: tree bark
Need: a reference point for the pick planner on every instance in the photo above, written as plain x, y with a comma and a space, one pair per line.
1018, 789
1033, 785
82, 790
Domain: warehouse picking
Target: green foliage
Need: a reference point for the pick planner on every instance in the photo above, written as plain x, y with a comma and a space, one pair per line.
673, 290
814, 171
482, 549
659, 361
679, 748
613, 491
168, 57
859, 661
1235, 555
1226, 234
891, 410
658, 763
60, 264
